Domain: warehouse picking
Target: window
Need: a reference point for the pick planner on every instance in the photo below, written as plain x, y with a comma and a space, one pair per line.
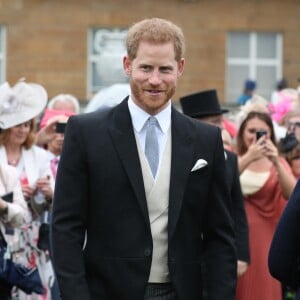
105, 61
2, 54
256, 56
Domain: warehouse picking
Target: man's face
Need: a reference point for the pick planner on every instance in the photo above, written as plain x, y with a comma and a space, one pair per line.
55, 145
293, 126
216, 120
153, 75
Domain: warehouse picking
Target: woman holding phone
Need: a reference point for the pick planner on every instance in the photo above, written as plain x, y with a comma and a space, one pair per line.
266, 182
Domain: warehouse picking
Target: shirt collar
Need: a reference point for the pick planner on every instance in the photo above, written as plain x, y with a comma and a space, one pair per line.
139, 116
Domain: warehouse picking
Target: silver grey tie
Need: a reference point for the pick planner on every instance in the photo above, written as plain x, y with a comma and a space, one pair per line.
151, 144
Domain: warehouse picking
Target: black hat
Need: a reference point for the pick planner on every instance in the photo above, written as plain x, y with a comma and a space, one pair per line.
201, 104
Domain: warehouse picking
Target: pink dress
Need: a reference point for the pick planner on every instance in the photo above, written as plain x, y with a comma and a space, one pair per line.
263, 209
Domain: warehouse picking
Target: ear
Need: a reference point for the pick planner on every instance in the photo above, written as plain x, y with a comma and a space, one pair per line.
127, 65
181, 67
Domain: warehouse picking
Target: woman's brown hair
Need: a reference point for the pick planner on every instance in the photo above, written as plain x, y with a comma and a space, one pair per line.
240, 143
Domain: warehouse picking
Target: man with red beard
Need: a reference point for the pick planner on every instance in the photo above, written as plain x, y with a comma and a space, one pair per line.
140, 199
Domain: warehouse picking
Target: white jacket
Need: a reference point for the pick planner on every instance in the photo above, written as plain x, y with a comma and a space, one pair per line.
18, 212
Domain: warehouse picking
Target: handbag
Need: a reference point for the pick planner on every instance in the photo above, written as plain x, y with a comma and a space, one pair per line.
15, 274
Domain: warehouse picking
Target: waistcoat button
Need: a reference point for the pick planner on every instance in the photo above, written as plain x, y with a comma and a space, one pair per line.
147, 252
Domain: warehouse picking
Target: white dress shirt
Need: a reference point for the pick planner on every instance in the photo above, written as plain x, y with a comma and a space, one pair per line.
139, 118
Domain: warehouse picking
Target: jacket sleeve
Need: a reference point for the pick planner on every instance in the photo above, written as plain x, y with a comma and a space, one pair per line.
69, 216
239, 215
284, 255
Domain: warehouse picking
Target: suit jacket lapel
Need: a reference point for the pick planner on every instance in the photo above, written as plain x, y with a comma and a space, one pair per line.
182, 159
122, 134
123, 138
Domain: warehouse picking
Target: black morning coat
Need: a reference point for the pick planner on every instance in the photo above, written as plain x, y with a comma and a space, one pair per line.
100, 192
238, 208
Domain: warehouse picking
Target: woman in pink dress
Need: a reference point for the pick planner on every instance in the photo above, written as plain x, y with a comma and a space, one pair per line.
266, 181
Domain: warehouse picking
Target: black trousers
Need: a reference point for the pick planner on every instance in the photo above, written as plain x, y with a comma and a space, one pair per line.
160, 291
5, 290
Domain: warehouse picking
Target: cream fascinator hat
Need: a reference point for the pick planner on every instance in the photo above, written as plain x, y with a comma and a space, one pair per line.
255, 103
20, 103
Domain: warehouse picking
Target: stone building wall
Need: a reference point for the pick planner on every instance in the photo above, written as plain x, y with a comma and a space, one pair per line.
47, 39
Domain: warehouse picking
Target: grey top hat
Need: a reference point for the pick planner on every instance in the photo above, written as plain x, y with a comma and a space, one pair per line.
201, 104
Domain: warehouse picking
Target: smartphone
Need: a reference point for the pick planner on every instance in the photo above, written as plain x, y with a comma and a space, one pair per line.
8, 197
60, 127
260, 133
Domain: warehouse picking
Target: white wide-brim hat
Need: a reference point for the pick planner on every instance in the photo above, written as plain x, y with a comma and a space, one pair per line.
20, 103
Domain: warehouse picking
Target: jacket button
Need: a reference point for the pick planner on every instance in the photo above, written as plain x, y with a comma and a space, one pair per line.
147, 252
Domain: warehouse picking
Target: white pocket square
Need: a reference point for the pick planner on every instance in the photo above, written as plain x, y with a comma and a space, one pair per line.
200, 163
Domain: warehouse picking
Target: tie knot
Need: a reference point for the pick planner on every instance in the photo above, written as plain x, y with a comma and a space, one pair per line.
55, 160
152, 121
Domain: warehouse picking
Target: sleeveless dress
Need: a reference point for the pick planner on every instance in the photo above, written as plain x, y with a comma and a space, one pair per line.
263, 209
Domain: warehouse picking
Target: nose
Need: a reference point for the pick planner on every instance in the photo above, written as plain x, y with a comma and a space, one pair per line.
155, 78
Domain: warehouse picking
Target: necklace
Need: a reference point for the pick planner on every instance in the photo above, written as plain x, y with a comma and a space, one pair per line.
13, 162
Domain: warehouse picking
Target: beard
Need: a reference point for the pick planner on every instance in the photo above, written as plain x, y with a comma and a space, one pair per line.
152, 104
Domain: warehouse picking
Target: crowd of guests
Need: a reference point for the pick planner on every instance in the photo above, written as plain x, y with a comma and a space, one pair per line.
267, 144
30, 146
262, 175
265, 138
